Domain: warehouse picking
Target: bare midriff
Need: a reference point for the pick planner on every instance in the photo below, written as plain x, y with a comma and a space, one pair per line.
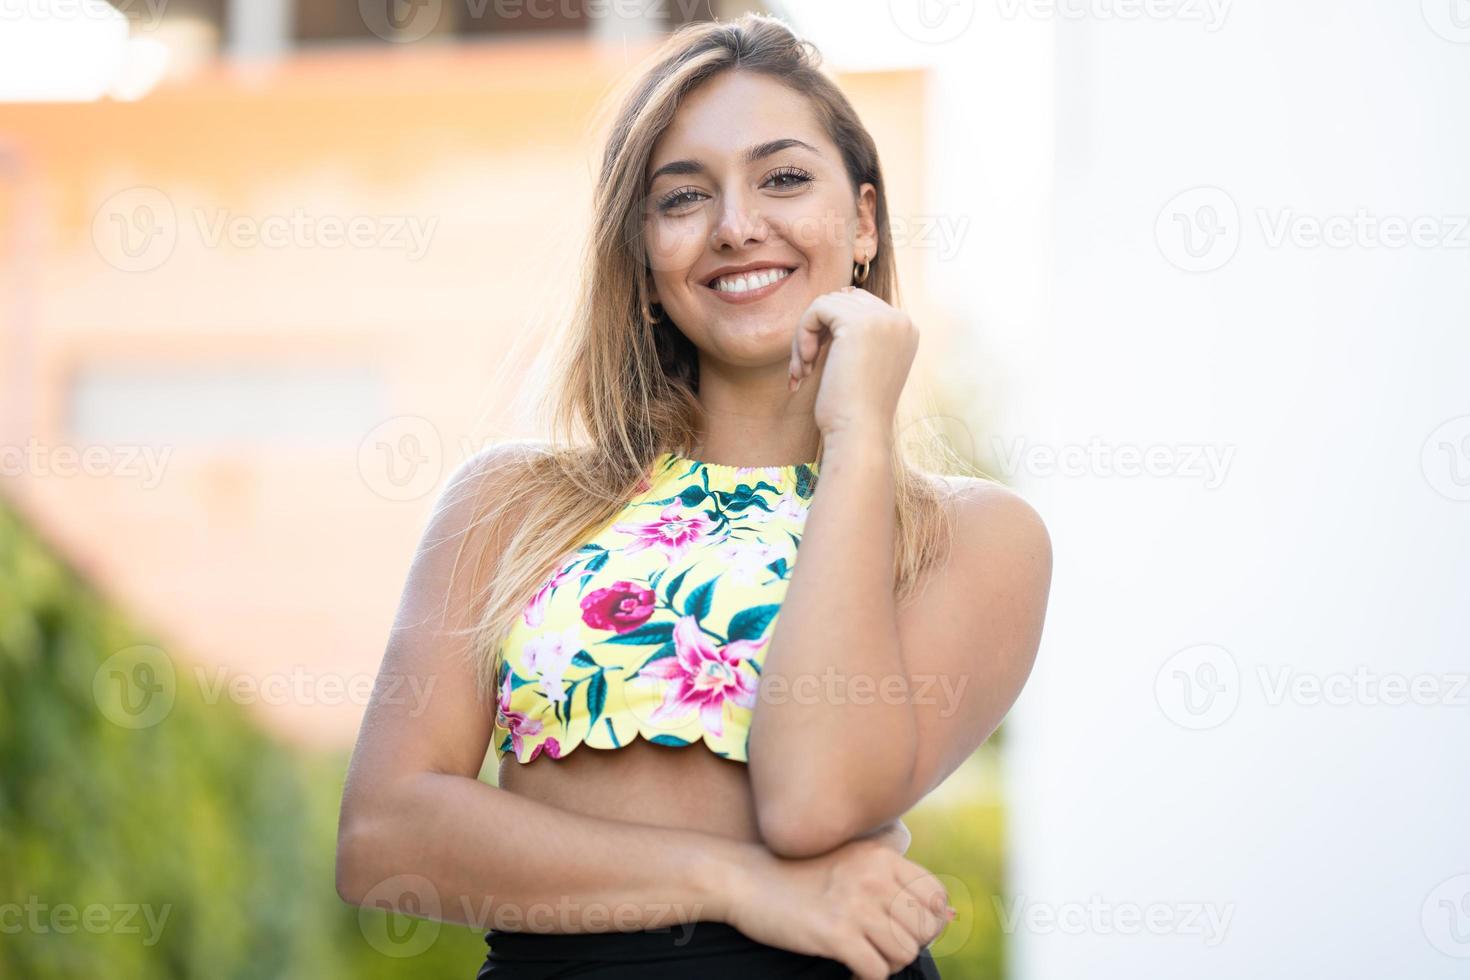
686, 787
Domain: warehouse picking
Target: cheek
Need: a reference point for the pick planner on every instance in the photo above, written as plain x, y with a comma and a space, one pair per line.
673, 246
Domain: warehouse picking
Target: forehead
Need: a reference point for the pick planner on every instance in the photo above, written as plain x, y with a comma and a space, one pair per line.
717, 121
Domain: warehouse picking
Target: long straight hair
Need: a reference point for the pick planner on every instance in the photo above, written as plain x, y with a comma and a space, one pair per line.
626, 389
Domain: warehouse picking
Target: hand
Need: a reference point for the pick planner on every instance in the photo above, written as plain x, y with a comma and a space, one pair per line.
860, 904
866, 347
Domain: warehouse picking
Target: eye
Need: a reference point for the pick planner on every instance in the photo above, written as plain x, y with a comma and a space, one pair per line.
796, 175
675, 199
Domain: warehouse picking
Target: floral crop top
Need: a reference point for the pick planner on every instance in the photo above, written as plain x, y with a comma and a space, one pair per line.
657, 625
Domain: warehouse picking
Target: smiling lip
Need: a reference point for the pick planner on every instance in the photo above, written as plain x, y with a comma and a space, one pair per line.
753, 295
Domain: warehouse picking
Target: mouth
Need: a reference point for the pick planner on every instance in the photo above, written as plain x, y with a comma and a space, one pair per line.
748, 287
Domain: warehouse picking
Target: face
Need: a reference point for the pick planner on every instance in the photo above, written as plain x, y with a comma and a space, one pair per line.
790, 214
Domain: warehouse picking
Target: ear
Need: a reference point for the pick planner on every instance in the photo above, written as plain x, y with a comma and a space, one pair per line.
866, 240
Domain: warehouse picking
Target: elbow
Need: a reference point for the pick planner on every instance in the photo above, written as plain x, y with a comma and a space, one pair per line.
353, 871
800, 831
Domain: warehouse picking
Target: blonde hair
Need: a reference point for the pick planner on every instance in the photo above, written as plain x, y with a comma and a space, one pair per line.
627, 390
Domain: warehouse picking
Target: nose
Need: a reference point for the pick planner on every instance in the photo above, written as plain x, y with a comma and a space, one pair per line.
737, 225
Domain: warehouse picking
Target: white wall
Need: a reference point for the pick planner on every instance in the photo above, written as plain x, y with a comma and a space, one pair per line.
1330, 835
1308, 518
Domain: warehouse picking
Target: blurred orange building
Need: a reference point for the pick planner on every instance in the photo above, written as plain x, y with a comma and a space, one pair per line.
251, 321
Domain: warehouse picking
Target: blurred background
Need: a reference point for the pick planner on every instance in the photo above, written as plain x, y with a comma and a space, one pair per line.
1194, 278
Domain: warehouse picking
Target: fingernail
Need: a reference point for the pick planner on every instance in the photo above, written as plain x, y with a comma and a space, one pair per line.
952, 912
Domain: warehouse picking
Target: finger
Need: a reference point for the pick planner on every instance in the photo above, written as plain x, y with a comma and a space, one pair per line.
898, 946
809, 329
919, 918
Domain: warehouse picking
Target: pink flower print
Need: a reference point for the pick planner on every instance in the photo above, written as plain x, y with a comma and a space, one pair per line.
673, 533
535, 612
747, 559
702, 676
552, 747
519, 726
622, 606
548, 655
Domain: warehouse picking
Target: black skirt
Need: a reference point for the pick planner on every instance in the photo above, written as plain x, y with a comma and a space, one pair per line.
706, 950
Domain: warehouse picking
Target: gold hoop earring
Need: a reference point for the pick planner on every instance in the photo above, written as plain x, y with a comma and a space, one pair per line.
858, 278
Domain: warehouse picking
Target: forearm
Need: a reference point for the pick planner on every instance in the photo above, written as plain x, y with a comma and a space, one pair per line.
496, 860
845, 755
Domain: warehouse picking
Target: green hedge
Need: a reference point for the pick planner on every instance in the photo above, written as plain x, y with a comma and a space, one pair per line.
197, 819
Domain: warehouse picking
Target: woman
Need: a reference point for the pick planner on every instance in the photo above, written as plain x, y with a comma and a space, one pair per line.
605, 616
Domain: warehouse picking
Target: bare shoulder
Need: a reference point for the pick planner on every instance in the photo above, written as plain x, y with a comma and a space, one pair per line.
995, 521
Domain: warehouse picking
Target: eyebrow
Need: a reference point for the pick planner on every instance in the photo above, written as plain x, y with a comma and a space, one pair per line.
758, 152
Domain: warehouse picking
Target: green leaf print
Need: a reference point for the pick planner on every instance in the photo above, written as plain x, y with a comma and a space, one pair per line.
646, 635
596, 698
674, 586
668, 740
584, 659
750, 624
699, 601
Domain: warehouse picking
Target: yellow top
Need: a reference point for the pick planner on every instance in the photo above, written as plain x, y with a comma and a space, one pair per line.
657, 625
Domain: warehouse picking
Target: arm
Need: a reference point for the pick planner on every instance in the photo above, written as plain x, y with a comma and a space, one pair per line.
918, 688
473, 853
836, 756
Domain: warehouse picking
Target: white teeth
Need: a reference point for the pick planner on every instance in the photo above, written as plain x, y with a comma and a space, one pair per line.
744, 282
